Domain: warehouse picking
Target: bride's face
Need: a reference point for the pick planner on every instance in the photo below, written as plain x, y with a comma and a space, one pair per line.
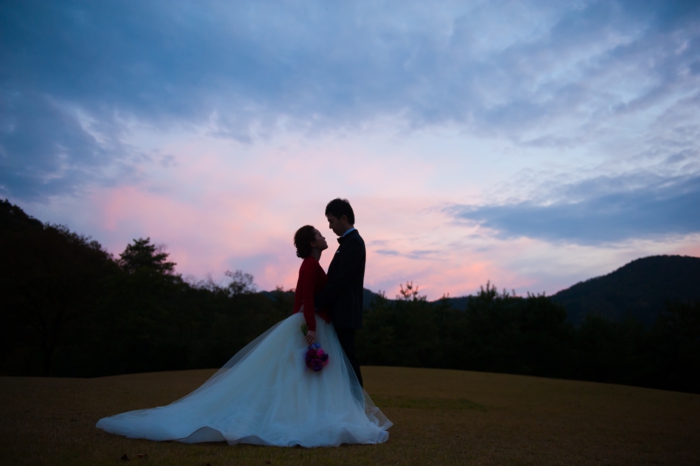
319, 241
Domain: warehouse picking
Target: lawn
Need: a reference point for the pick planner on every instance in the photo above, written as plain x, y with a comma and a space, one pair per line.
440, 417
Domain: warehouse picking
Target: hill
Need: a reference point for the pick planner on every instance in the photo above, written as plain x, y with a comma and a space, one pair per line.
12, 218
638, 289
70, 308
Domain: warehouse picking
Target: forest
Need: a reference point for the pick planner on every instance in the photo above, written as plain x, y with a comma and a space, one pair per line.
69, 308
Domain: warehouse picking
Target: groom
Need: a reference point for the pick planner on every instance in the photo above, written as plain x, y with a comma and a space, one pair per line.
342, 295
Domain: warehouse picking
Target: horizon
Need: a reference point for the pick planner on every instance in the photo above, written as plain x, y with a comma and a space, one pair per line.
196, 280
531, 145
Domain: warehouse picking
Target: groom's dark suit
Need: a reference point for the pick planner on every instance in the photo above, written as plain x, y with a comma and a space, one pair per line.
342, 296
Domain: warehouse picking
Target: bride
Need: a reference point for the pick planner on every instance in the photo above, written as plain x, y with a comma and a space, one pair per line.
265, 394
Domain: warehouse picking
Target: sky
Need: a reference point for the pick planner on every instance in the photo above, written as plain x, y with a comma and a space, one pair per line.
532, 144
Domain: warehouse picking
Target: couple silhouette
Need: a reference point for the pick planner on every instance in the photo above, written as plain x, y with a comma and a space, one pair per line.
264, 394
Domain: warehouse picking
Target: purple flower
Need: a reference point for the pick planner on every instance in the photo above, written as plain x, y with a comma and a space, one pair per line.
315, 357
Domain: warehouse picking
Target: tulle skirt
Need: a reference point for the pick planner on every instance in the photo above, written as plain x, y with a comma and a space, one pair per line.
265, 395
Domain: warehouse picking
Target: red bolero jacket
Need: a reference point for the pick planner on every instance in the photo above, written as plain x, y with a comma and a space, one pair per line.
312, 279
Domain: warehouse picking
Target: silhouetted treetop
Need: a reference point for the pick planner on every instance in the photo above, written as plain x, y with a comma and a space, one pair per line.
410, 293
241, 283
13, 218
144, 256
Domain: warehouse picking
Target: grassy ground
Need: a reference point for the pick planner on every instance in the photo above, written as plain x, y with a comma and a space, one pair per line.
440, 416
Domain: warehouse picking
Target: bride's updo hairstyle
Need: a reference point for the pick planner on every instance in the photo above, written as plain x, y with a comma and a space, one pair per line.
303, 239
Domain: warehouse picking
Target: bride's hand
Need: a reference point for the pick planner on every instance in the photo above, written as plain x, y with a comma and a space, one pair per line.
310, 337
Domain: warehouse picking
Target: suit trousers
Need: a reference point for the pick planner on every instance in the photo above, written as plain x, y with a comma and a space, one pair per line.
346, 337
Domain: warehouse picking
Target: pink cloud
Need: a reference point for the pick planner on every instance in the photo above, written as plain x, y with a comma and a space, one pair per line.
225, 206
692, 250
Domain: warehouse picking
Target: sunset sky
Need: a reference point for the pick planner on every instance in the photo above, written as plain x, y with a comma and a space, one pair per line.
534, 144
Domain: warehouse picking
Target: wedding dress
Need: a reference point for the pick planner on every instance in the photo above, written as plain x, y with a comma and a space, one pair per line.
265, 395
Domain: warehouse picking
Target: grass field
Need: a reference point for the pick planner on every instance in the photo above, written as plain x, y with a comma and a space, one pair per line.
440, 417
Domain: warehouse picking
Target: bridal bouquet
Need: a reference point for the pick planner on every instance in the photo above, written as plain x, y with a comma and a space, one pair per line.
315, 357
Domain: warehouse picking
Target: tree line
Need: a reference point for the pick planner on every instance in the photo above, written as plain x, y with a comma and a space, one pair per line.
70, 308
530, 335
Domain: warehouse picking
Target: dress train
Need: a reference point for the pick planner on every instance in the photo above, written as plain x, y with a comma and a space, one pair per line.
265, 395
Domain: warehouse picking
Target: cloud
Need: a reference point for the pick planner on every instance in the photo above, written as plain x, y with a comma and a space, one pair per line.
215, 214
45, 149
597, 211
418, 254
546, 73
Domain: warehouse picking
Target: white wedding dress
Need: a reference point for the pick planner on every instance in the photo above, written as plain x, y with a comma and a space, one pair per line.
265, 395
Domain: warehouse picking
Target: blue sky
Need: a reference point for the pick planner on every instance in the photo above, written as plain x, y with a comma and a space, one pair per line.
533, 144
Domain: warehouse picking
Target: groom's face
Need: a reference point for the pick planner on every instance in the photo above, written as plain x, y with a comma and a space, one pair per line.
338, 225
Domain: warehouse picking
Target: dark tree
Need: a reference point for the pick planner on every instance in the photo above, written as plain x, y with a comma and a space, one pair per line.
142, 255
676, 347
50, 278
241, 283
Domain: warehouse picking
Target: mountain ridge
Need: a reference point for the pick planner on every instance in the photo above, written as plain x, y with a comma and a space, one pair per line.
638, 289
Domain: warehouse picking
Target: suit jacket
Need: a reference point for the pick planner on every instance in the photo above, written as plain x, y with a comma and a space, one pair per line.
342, 296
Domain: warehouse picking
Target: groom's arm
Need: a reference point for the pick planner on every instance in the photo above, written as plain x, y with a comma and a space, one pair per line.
349, 259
